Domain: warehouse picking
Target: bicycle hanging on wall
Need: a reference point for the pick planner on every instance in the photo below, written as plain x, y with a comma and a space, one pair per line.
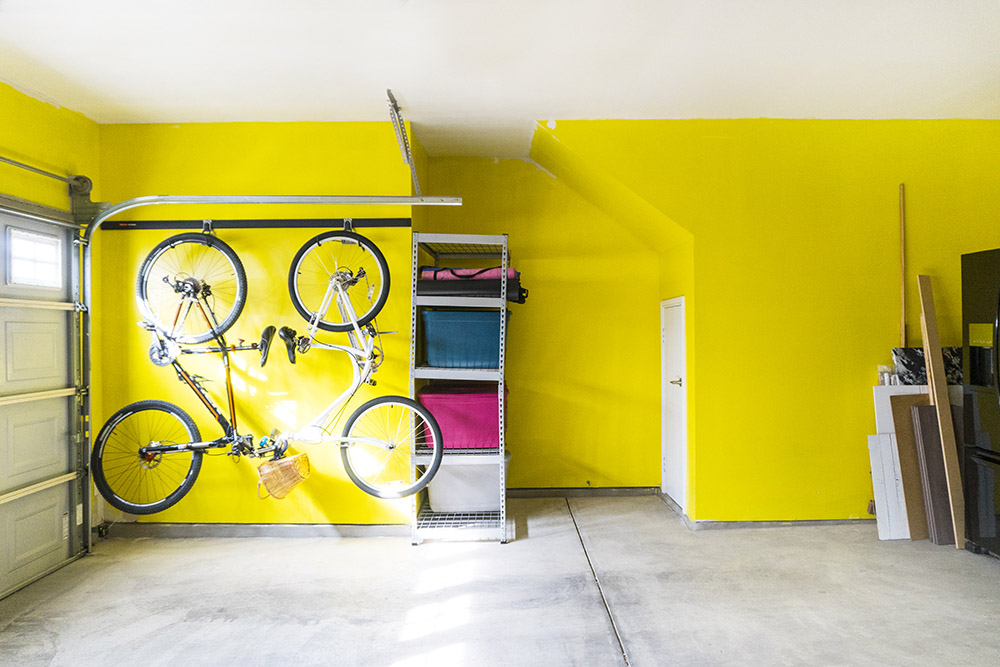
190, 290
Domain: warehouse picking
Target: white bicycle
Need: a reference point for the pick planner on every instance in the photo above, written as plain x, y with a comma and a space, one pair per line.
191, 289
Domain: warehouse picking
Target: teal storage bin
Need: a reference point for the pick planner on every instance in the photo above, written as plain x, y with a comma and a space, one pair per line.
462, 338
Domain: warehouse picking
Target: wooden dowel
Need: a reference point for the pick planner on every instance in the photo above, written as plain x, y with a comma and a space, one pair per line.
902, 266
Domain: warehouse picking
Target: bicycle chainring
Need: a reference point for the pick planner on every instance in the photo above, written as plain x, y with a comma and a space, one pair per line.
163, 353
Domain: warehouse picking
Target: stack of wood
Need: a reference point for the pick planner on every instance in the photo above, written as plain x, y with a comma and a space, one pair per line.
915, 471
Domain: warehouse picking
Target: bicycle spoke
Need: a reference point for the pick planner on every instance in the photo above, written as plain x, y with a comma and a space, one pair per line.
388, 471
205, 264
150, 482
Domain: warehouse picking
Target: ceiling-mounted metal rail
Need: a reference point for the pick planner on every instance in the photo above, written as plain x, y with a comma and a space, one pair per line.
404, 142
106, 211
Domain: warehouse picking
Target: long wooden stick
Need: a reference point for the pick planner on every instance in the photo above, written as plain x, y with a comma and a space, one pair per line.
902, 266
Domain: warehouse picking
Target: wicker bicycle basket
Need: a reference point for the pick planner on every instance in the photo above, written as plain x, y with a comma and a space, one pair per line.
281, 476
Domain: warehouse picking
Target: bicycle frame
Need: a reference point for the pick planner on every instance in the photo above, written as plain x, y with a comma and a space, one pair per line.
361, 352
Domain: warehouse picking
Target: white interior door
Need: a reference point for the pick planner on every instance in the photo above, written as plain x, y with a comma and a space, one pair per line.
673, 401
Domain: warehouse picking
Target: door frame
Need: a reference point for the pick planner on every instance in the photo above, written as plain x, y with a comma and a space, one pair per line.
669, 450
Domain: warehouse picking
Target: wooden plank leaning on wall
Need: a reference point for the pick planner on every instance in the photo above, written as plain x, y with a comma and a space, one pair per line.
939, 398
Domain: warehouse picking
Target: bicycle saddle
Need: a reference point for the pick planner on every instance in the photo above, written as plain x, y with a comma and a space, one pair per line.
265, 343
288, 335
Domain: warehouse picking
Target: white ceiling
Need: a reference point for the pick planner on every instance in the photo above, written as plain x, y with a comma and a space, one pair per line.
473, 76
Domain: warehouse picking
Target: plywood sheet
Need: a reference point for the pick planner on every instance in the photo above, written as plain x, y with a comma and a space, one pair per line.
933, 475
909, 466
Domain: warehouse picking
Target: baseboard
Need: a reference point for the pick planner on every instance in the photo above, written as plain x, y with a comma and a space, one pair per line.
187, 530
716, 525
583, 492
724, 525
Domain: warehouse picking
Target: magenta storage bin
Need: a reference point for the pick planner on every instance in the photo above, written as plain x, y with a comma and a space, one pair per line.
467, 415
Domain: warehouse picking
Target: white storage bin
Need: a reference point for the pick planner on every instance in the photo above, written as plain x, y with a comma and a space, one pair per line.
467, 487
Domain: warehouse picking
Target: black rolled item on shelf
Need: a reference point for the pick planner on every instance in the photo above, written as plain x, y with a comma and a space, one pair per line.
449, 281
483, 288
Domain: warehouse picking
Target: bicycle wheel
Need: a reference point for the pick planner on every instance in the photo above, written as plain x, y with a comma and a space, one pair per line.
383, 436
187, 271
362, 272
145, 484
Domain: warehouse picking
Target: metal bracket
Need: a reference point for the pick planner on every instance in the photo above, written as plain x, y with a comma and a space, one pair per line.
348, 224
206, 227
83, 209
79, 307
404, 142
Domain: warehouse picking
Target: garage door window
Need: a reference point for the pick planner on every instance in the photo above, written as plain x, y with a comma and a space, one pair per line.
33, 259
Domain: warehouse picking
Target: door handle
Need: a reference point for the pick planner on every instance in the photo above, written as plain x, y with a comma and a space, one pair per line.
679, 382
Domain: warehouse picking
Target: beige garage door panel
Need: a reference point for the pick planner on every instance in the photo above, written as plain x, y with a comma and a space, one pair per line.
33, 356
36, 530
35, 434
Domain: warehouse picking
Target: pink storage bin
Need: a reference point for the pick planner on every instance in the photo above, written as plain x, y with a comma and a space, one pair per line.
467, 415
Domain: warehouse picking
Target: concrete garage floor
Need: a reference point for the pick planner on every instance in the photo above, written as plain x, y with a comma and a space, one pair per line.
803, 595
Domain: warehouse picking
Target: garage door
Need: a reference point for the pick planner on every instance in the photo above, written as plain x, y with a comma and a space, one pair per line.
42, 510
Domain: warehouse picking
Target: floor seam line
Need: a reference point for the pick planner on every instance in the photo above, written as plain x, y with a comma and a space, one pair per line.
600, 588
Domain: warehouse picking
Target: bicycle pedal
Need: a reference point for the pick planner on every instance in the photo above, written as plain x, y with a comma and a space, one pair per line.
279, 451
303, 344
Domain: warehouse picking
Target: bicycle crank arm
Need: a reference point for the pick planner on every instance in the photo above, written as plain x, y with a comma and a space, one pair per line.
216, 350
182, 447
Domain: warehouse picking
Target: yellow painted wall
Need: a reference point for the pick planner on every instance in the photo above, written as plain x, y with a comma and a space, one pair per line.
583, 351
296, 158
46, 137
795, 257
645, 226
790, 232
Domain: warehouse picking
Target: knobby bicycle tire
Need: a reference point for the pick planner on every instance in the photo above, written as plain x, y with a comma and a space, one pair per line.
315, 263
139, 485
202, 260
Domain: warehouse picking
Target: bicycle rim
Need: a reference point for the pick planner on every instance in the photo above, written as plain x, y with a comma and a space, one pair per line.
213, 266
324, 256
145, 484
383, 437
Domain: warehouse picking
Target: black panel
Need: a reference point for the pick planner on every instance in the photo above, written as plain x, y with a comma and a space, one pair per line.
326, 223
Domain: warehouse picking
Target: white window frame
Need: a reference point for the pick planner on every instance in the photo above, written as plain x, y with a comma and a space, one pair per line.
55, 282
